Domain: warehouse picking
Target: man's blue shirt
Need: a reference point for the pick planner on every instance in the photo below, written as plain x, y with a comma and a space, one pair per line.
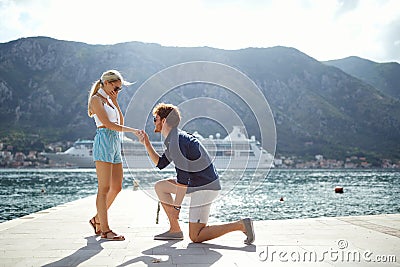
192, 162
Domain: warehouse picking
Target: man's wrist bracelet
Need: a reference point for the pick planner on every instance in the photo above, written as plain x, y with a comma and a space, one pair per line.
177, 207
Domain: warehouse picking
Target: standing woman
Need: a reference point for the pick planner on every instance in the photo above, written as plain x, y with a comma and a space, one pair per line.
103, 107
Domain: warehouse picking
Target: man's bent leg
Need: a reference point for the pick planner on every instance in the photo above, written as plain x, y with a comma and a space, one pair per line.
164, 189
199, 212
199, 232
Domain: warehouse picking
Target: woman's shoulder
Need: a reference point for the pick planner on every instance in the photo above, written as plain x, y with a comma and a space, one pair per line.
95, 102
96, 98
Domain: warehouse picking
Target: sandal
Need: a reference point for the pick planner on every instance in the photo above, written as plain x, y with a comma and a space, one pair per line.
115, 237
93, 223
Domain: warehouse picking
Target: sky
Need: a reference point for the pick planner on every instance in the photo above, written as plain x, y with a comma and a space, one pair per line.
323, 29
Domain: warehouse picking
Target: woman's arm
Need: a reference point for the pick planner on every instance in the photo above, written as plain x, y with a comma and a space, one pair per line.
121, 116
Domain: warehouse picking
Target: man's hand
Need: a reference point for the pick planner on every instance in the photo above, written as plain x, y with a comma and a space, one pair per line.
143, 137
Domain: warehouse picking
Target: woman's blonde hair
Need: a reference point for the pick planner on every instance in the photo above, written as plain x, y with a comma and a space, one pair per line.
110, 76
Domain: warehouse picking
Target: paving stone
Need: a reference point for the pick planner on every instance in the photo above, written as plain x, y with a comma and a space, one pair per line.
62, 236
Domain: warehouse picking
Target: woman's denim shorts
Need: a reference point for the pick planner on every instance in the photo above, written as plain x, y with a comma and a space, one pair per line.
107, 146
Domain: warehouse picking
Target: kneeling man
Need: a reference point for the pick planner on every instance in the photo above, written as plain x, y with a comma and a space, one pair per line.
196, 176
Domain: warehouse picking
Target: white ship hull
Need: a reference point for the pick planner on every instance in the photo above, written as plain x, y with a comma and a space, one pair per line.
233, 152
68, 160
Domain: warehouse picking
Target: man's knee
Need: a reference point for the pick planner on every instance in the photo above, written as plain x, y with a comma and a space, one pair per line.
194, 237
159, 186
194, 232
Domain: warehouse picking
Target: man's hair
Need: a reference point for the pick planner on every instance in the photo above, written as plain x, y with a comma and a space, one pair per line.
168, 111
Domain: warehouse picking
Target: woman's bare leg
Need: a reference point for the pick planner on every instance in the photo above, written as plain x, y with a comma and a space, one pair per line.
115, 185
104, 172
117, 175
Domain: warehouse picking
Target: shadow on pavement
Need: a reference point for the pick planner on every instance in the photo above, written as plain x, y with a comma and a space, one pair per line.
207, 256
92, 248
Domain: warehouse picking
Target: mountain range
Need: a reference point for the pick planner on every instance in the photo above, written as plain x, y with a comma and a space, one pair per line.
383, 76
335, 108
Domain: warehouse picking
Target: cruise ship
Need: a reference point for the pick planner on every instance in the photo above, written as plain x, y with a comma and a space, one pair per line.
235, 151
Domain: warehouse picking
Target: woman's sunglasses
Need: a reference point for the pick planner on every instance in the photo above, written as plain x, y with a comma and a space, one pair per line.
116, 88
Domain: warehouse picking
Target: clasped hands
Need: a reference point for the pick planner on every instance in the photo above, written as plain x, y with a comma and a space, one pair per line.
142, 136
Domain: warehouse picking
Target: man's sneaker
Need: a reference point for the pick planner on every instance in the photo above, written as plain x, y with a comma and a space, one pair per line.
169, 236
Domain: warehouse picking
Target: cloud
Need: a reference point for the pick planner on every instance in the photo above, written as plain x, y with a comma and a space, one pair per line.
21, 18
391, 41
325, 30
366, 29
346, 6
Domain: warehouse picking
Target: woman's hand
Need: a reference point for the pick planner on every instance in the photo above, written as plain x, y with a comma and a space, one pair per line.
136, 132
143, 137
114, 96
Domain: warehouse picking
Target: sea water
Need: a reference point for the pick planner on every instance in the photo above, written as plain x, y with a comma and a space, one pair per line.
262, 195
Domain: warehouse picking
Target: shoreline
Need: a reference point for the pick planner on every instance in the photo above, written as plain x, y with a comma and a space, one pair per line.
271, 169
